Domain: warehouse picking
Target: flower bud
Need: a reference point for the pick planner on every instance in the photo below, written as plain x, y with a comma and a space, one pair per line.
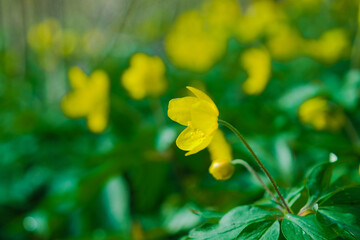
221, 170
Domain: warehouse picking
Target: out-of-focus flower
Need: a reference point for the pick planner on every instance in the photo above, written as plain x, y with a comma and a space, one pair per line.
257, 64
200, 115
221, 156
256, 18
221, 15
145, 76
330, 47
284, 42
319, 113
89, 98
42, 37
192, 44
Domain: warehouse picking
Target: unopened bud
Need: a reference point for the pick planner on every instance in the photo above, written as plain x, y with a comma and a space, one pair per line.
221, 170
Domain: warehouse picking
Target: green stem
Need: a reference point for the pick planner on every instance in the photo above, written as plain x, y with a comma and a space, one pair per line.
252, 171
234, 130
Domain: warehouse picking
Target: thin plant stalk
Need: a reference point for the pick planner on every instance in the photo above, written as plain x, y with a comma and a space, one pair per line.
253, 172
234, 130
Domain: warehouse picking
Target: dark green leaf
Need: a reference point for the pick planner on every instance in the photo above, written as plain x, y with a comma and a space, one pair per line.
318, 180
347, 196
231, 225
344, 219
269, 230
307, 228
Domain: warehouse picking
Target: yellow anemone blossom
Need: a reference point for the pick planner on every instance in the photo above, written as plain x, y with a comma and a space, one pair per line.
43, 36
221, 156
330, 47
89, 98
257, 64
200, 115
145, 76
257, 17
284, 42
221, 14
191, 44
321, 115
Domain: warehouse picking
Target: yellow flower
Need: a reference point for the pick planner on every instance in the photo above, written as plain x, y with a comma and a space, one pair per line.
284, 42
42, 37
257, 64
220, 153
200, 115
321, 115
145, 76
89, 98
221, 14
330, 47
255, 20
191, 44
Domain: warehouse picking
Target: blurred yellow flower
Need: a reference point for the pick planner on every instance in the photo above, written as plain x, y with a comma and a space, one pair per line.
89, 98
256, 18
200, 115
221, 156
145, 76
330, 47
191, 44
41, 37
221, 15
284, 42
257, 64
48, 36
319, 113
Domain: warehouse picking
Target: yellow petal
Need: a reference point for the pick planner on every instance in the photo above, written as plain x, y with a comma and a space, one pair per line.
76, 104
207, 140
179, 109
97, 120
203, 117
133, 82
204, 97
100, 81
189, 139
77, 77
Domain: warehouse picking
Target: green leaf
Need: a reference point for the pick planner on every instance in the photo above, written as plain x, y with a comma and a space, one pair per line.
349, 195
318, 180
349, 95
232, 224
207, 214
269, 230
344, 220
307, 228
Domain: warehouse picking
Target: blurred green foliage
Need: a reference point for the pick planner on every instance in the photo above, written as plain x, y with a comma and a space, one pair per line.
61, 181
